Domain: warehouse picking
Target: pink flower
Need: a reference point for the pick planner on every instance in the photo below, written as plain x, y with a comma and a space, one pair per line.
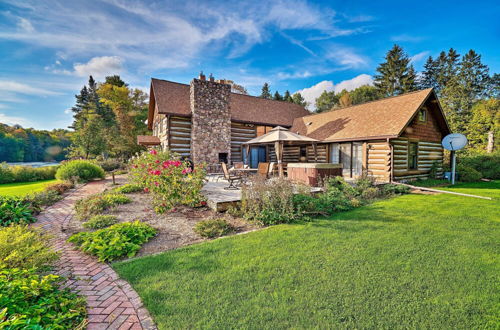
177, 163
157, 172
186, 170
146, 190
157, 161
153, 152
134, 166
156, 183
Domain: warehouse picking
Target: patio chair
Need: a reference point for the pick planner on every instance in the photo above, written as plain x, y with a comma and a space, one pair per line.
232, 179
263, 170
238, 165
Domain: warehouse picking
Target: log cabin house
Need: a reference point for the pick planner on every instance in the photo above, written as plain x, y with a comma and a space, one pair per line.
396, 138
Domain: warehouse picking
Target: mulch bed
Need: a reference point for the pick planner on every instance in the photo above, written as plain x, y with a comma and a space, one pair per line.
175, 228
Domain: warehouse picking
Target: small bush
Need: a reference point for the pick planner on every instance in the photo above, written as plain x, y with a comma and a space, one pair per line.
128, 188
171, 181
123, 239
43, 198
111, 164
79, 170
95, 204
468, 174
100, 221
32, 301
269, 202
26, 173
15, 210
394, 189
24, 247
212, 228
370, 193
60, 187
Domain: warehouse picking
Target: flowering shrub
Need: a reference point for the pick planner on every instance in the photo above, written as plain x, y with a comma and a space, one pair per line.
170, 180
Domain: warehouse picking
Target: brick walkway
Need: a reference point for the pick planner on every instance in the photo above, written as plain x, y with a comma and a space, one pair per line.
111, 302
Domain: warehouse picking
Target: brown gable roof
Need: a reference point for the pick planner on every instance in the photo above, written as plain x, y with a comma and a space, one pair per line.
173, 98
386, 118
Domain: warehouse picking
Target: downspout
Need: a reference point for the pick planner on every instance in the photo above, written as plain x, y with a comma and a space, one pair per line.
391, 147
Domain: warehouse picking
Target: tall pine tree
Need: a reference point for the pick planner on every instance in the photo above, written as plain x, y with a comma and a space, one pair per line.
287, 97
277, 96
266, 92
395, 75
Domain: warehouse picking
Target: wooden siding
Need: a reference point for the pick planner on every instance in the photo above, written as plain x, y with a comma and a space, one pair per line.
180, 135
427, 130
428, 153
322, 150
378, 160
240, 133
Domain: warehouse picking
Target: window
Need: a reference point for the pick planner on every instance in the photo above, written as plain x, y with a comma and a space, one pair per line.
413, 156
422, 115
303, 151
334, 153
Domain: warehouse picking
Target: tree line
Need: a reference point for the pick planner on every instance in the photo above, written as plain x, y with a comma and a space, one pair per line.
18, 144
467, 92
108, 116
287, 97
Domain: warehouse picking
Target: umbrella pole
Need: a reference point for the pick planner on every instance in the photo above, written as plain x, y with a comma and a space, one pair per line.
278, 146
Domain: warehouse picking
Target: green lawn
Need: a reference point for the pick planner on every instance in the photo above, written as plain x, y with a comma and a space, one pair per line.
23, 188
415, 261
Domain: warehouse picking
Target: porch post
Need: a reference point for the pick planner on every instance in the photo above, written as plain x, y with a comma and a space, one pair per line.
315, 148
279, 156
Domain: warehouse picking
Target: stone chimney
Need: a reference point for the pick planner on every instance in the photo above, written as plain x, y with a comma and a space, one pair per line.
211, 78
211, 121
202, 76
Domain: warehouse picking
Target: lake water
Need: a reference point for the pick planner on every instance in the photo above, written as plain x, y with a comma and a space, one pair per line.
34, 164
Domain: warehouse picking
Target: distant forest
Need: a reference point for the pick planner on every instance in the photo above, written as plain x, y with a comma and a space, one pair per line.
19, 144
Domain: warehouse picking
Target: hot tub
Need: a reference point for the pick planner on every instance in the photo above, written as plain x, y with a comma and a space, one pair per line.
312, 173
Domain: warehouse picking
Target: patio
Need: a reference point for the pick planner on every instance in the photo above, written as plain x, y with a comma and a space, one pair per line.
219, 199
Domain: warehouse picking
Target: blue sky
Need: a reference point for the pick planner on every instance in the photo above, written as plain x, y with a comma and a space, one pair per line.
48, 48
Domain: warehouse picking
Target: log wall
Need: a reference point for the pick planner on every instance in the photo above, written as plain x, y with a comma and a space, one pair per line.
378, 160
240, 133
428, 153
179, 131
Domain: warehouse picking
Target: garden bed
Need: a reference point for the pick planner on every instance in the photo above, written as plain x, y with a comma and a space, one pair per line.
175, 227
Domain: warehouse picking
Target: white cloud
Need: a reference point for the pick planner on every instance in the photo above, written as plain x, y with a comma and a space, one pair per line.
347, 58
294, 75
12, 120
420, 56
310, 94
351, 84
25, 25
99, 67
20, 88
407, 38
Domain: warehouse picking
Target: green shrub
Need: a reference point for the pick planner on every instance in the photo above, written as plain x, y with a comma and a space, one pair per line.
79, 170
123, 239
370, 193
43, 198
26, 173
128, 188
269, 202
100, 221
60, 187
24, 247
31, 301
15, 210
98, 203
468, 174
170, 180
212, 228
111, 164
487, 164
394, 189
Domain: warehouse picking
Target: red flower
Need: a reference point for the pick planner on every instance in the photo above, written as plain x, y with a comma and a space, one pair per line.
203, 203
186, 170
156, 184
157, 161
153, 152
146, 190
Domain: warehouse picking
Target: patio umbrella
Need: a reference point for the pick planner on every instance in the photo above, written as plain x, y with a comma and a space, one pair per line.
279, 136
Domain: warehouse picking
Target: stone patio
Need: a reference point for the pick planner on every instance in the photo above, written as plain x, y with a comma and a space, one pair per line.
111, 302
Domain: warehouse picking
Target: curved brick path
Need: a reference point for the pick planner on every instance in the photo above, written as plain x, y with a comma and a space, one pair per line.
111, 302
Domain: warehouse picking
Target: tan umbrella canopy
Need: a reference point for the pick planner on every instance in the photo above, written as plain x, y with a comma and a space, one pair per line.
279, 136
